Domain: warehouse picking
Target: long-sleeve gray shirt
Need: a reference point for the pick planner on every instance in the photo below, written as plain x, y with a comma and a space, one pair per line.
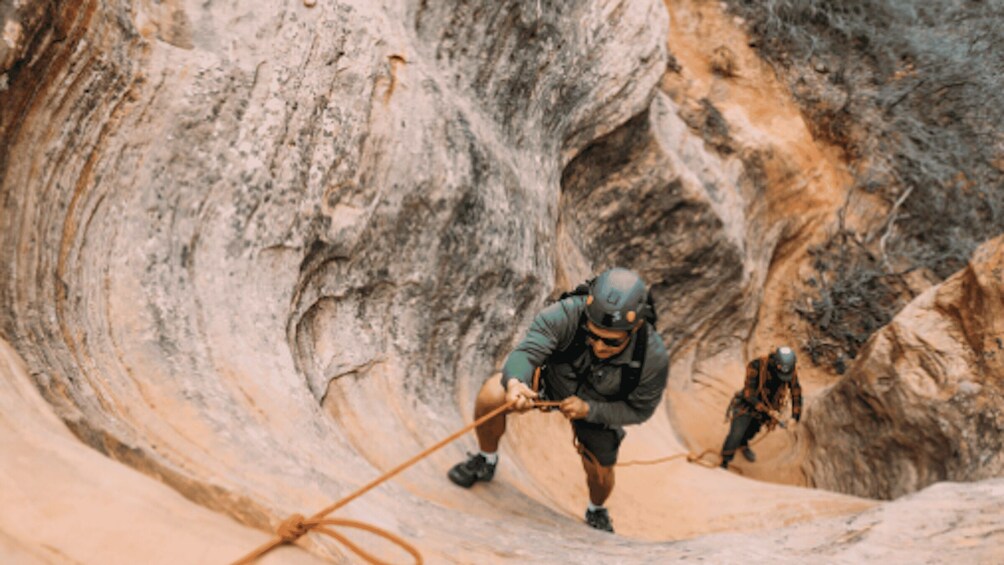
595, 381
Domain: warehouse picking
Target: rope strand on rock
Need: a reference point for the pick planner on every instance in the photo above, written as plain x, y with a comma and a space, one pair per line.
691, 458
296, 526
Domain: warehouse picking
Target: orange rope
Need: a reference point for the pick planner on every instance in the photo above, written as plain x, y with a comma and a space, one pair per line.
691, 458
296, 525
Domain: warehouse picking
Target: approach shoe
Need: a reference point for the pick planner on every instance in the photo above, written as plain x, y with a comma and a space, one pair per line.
475, 469
599, 519
748, 454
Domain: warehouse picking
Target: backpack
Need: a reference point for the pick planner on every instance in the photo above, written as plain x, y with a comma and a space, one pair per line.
631, 376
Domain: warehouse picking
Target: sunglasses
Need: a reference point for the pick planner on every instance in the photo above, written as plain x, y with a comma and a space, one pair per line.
609, 341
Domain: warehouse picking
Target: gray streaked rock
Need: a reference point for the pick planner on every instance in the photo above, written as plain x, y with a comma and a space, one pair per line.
213, 210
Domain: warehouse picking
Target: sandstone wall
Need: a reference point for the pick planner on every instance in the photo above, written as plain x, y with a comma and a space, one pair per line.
923, 402
211, 211
263, 252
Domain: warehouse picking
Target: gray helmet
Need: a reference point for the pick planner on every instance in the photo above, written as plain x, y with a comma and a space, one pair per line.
782, 361
617, 299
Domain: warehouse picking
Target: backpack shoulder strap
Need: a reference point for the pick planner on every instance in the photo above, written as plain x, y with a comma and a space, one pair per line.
581, 290
575, 348
631, 375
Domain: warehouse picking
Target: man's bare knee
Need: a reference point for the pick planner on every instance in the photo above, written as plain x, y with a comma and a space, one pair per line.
490, 397
597, 470
492, 393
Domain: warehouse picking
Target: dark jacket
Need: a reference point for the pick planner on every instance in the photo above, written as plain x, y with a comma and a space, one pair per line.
550, 341
762, 391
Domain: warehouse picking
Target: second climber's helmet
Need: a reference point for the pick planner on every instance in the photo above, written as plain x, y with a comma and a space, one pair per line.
617, 300
783, 362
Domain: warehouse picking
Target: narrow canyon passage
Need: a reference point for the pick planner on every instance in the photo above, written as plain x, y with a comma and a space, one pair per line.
255, 255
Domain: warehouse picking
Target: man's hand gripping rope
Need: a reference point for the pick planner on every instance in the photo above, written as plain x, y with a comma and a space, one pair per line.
525, 399
776, 419
520, 396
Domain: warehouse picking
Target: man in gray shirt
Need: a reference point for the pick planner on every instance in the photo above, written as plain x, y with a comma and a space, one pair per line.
600, 356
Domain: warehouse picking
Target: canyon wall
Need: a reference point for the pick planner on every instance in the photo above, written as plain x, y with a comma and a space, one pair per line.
262, 253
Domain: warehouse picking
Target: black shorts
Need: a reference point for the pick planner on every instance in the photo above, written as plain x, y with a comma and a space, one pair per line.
601, 440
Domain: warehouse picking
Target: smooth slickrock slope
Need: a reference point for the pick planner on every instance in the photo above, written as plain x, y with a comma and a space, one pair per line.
62, 502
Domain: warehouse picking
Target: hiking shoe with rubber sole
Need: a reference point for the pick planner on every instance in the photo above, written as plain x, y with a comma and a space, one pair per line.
600, 519
748, 454
475, 469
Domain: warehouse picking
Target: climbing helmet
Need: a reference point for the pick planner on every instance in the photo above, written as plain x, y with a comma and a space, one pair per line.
617, 300
783, 363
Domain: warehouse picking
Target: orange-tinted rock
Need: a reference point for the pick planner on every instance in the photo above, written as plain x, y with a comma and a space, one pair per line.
63, 502
924, 402
262, 254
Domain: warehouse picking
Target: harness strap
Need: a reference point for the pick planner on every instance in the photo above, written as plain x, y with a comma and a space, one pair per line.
762, 390
631, 376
